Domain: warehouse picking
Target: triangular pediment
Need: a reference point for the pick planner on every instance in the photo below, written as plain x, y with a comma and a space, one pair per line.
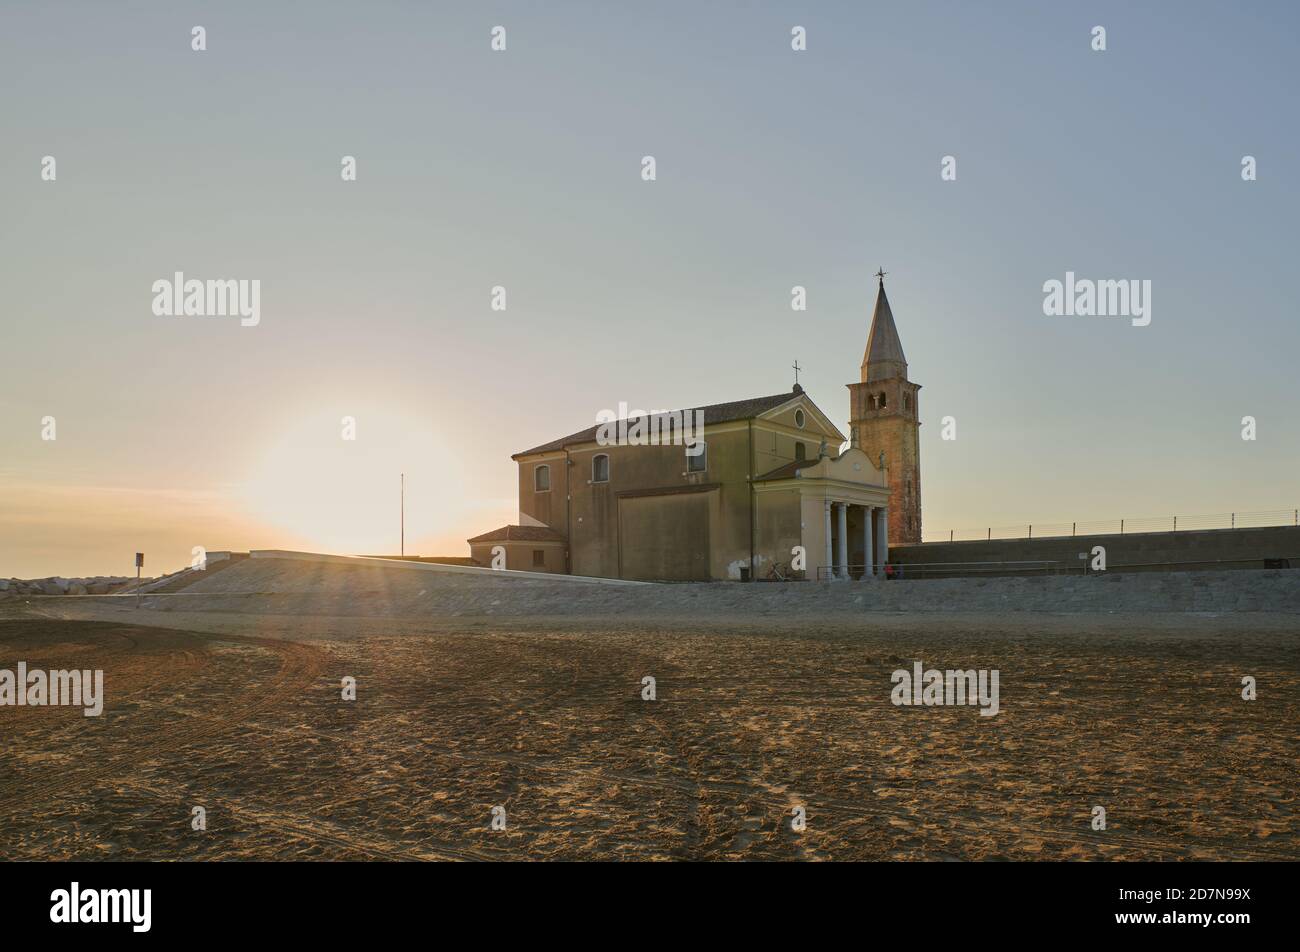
815, 422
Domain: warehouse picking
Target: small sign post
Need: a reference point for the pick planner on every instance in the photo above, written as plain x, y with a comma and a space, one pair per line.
139, 562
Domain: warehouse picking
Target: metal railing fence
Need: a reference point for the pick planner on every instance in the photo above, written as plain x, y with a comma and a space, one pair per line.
1058, 530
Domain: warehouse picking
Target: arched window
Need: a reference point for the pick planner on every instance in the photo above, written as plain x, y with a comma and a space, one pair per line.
542, 479
600, 468
907, 401
883, 403
799, 451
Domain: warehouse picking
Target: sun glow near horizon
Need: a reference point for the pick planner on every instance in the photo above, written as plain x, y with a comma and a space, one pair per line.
342, 494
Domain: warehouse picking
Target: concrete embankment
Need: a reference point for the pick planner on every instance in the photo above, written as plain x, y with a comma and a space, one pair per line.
291, 586
1188, 551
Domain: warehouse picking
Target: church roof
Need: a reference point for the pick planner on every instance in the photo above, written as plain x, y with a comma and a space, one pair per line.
520, 534
788, 471
884, 355
716, 413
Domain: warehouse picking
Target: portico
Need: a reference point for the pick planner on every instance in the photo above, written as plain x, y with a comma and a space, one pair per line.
857, 540
843, 505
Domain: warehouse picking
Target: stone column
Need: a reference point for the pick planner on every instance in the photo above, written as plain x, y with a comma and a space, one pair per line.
868, 554
882, 537
843, 520
876, 535
828, 535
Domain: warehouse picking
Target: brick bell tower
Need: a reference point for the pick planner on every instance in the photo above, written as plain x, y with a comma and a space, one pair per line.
884, 419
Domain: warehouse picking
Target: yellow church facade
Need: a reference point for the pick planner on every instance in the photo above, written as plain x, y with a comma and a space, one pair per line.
762, 491
763, 485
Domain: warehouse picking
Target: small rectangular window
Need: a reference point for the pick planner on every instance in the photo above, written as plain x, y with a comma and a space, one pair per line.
539, 558
697, 456
542, 479
600, 468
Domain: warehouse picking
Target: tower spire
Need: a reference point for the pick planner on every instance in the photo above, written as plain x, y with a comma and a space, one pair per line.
884, 354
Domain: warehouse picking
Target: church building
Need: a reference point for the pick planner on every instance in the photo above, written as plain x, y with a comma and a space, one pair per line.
771, 492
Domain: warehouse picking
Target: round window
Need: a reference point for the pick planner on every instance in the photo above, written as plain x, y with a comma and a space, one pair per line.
798, 419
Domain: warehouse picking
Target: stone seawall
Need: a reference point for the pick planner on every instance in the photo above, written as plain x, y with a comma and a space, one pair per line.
283, 586
1209, 549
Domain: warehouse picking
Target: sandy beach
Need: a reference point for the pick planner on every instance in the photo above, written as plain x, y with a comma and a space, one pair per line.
242, 715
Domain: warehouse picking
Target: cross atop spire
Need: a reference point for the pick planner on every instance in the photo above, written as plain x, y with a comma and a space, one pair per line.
796, 371
881, 275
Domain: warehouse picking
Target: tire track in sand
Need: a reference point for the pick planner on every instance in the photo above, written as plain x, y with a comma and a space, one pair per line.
300, 666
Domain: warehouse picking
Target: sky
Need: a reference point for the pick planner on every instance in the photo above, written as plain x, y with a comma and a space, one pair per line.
522, 169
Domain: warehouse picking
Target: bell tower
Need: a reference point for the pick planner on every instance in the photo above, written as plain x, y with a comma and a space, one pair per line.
884, 419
